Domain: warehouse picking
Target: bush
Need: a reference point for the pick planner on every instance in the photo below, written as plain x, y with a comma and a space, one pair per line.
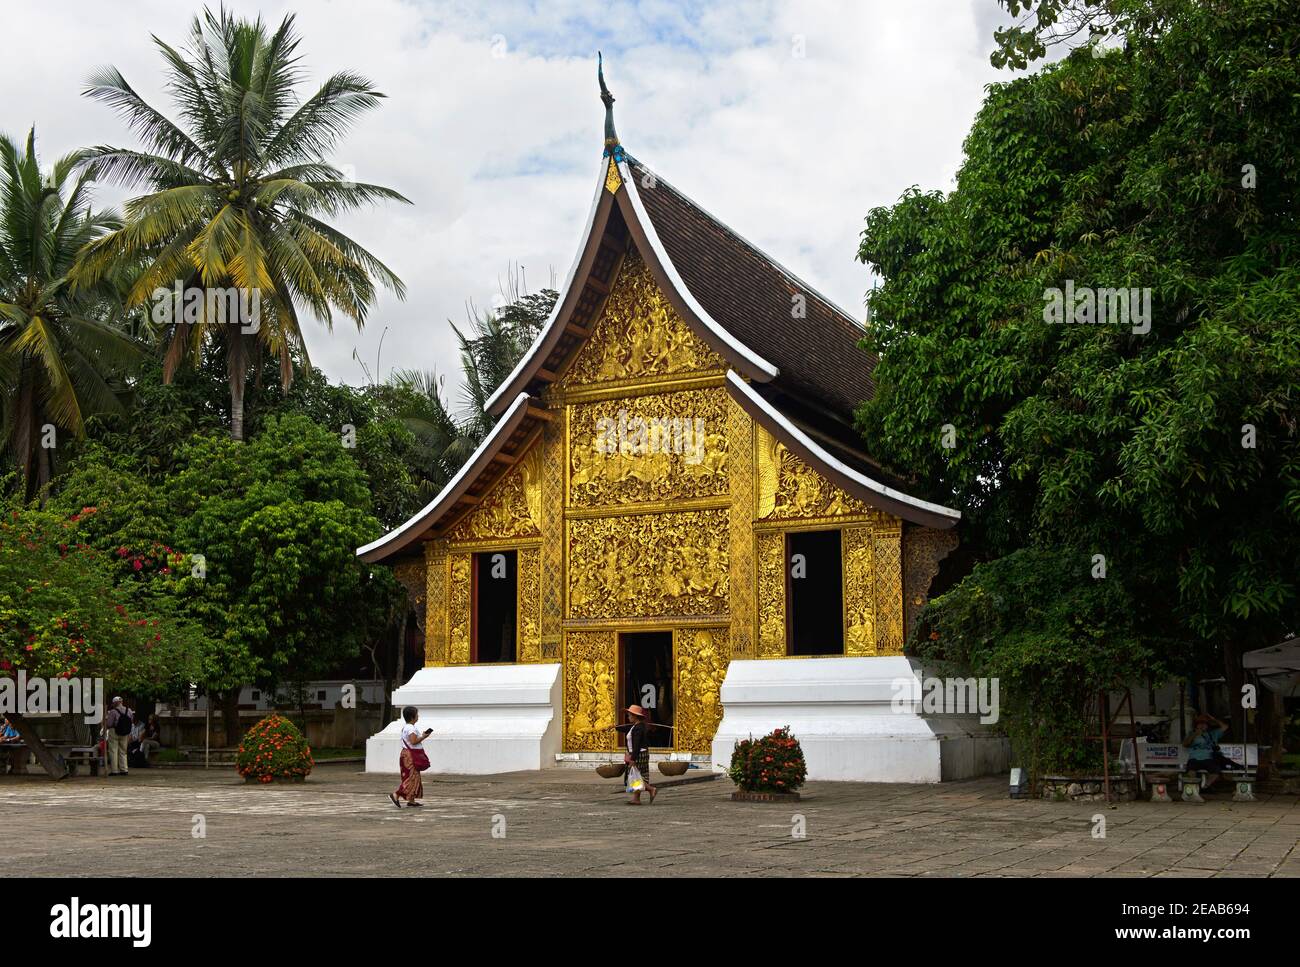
773, 763
274, 749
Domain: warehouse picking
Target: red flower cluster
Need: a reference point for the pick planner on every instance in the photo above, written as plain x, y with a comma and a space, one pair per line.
773, 763
274, 748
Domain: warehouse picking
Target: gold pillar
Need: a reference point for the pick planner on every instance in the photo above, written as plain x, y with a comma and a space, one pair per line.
435, 612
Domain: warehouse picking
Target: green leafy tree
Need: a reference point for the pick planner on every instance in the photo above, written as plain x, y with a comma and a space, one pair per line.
62, 352
266, 534
64, 612
1167, 166
238, 192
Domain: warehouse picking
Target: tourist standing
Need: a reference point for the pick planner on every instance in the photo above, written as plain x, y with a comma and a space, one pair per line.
413, 760
117, 734
638, 753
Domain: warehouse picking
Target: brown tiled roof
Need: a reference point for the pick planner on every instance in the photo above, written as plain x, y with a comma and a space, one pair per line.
751, 297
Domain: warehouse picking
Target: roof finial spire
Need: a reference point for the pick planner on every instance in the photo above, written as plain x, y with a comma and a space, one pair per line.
611, 136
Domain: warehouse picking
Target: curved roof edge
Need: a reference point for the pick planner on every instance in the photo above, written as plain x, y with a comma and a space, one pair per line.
532, 360
859, 485
754, 365
400, 537
737, 353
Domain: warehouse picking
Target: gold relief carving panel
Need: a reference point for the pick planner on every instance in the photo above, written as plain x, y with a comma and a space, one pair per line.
701, 660
590, 683
508, 509
923, 549
771, 594
639, 334
649, 448
552, 527
887, 562
529, 616
435, 613
458, 609
672, 564
788, 488
859, 592
740, 438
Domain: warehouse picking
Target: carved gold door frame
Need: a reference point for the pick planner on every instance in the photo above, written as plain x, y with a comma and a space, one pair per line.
592, 674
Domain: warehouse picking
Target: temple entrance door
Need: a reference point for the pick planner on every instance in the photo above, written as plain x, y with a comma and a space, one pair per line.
645, 665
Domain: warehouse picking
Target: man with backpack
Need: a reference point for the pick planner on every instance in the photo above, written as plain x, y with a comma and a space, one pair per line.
117, 734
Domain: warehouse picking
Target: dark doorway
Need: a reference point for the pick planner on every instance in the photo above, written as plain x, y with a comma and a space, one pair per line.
647, 672
496, 582
815, 602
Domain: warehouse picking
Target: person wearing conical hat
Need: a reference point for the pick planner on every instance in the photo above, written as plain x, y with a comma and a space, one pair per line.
638, 753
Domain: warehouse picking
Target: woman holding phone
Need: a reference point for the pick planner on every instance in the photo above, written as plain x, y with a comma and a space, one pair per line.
413, 760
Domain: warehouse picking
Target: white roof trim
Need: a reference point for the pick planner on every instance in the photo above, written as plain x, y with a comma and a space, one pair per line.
759, 364
739, 387
527, 359
439, 505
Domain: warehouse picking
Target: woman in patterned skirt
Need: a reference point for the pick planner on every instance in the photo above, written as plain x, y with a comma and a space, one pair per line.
412, 760
638, 753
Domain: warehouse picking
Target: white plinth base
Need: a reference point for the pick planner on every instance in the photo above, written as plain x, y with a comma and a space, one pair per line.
485, 719
843, 713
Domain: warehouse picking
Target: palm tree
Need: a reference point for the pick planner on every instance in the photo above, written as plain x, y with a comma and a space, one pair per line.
61, 352
238, 189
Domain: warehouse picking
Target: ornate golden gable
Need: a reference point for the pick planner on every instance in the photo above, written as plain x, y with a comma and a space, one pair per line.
638, 336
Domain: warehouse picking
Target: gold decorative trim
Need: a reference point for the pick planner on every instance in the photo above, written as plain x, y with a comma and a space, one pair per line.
740, 432
816, 523
769, 557
495, 544
435, 614
557, 396
658, 507
613, 180
645, 623
528, 604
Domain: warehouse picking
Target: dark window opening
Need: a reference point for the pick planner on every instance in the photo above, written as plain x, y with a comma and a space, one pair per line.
815, 593
495, 586
648, 681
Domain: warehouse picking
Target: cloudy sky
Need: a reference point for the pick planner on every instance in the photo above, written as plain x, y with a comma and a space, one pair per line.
788, 121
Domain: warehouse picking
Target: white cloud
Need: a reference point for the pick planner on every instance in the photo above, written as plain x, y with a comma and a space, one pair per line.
499, 152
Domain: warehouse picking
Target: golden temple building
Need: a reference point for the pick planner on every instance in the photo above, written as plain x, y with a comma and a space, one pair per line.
673, 485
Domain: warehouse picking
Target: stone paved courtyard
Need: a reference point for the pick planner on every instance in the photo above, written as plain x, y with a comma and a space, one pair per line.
569, 823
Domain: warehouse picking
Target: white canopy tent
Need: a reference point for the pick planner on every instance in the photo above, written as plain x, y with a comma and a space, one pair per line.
1277, 667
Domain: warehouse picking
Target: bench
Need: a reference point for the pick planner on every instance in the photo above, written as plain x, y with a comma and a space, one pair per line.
1162, 763
79, 755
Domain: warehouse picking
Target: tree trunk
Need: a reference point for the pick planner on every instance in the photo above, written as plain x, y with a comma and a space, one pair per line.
51, 763
230, 716
237, 370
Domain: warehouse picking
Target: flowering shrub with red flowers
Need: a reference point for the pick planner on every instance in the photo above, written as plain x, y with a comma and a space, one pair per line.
773, 763
274, 749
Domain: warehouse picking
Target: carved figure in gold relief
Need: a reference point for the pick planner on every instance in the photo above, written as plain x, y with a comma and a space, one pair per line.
701, 667
789, 488
648, 565
657, 447
589, 683
505, 512
639, 334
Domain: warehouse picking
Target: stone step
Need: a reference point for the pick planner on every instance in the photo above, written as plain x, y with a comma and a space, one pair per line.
589, 760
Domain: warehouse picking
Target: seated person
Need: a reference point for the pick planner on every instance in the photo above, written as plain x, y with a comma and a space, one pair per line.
1202, 744
150, 738
9, 736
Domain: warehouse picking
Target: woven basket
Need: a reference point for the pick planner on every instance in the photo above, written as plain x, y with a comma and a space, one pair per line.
673, 768
610, 770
